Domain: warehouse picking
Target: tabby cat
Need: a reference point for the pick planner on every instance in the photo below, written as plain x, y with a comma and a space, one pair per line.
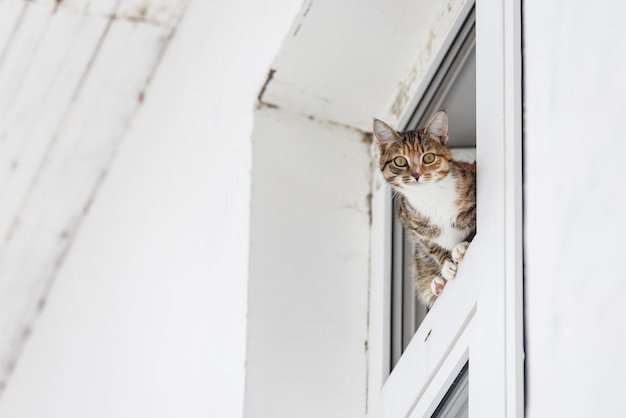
435, 197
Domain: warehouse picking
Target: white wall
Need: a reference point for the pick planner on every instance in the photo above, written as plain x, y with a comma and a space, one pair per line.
575, 96
147, 314
309, 269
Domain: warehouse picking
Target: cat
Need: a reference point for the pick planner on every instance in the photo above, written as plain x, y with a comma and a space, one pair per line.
435, 197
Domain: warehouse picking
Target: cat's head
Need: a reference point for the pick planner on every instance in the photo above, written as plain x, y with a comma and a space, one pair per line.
414, 158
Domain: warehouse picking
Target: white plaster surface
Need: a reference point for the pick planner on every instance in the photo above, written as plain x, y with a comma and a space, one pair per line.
575, 94
348, 62
146, 317
309, 269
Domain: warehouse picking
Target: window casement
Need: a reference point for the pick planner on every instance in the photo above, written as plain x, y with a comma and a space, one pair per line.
453, 89
465, 356
455, 404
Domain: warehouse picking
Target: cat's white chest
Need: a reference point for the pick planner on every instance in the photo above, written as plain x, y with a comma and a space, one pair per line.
437, 201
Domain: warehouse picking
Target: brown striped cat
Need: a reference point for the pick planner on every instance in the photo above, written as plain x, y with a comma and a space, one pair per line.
435, 197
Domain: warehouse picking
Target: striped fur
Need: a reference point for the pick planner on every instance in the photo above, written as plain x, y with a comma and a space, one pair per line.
435, 198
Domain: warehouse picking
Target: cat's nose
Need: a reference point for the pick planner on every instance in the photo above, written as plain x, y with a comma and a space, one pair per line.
417, 176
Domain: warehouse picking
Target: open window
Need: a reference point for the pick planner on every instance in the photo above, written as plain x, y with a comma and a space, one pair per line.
455, 404
465, 356
453, 89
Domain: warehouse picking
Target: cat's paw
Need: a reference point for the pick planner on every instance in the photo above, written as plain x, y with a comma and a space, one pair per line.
459, 251
437, 285
448, 271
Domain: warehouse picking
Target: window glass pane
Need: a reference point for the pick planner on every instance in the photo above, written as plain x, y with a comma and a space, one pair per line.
455, 403
453, 89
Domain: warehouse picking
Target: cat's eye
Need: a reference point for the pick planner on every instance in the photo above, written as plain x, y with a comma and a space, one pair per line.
428, 158
400, 161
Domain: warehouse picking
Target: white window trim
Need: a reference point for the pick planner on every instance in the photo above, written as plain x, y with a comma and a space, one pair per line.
480, 314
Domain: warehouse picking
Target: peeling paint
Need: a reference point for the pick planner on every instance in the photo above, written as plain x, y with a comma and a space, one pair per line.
308, 8
164, 13
56, 5
263, 105
368, 202
87, 205
11, 230
425, 58
270, 76
295, 32
331, 122
404, 90
146, 47
306, 12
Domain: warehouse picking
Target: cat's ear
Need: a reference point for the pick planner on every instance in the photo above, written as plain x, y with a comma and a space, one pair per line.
384, 134
438, 126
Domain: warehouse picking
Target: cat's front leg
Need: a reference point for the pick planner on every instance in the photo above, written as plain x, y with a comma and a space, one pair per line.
437, 285
459, 251
443, 258
449, 267
448, 270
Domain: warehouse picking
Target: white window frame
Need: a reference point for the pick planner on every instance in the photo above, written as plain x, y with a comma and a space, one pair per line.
480, 314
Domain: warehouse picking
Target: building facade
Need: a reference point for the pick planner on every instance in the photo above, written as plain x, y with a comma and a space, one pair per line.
194, 224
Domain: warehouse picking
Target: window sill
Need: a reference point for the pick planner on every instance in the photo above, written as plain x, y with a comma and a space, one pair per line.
441, 340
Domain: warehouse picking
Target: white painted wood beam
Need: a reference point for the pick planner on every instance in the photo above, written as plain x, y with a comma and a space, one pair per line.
73, 74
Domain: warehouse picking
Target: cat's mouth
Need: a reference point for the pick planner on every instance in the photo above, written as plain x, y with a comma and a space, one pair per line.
411, 184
